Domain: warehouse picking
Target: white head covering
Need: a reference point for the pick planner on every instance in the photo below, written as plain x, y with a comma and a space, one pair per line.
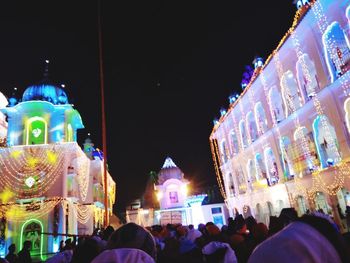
210, 248
297, 242
123, 255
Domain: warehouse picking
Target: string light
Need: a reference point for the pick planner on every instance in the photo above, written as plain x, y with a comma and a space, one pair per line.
216, 156
37, 209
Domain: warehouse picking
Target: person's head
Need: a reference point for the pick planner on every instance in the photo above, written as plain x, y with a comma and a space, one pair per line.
275, 225
259, 232
12, 248
250, 222
27, 245
132, 235
87, 250
288, 215
308, 239
68, 241
107, 232
241, 226
190, 226
181, 231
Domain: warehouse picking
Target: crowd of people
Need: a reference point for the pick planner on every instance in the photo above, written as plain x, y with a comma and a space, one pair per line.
311, 238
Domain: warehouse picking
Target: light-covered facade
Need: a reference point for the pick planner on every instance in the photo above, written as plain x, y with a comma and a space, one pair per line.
49, 186
284, 141
176, 206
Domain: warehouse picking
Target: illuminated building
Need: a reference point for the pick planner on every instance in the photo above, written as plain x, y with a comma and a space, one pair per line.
285, 140
176, 205
49, 185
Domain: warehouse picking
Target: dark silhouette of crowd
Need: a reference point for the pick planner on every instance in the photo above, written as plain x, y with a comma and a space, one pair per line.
314, 237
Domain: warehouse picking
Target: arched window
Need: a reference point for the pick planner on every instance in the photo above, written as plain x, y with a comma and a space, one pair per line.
70, 136
321, 202
269, 208
242, 184
243, 134
234, 142
258, 213
251, 172
231, 185
223, 151
36, 131
326, 141
32, 230
251, 126
347, 113
301, 205
260, 168
287, 157
271, 166
276, 104
307, 77
260, 118
290, 92
336, 49
306, 159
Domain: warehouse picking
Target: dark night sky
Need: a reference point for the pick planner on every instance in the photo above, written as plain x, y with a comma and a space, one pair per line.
169, 67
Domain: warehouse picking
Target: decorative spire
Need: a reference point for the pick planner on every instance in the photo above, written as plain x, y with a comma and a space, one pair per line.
169, 163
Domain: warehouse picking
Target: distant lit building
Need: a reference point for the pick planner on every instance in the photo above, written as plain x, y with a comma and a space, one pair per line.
50, 186
285, 140
176, 206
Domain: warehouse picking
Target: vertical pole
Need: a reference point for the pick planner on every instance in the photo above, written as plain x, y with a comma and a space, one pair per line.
104, 144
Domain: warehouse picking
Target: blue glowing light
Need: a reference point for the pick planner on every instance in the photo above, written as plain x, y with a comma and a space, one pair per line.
222, 112
45, 92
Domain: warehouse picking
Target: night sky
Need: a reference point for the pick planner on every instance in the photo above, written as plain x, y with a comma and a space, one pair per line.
169, 67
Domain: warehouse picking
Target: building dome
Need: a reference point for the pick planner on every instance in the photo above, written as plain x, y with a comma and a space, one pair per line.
169, 171
46, 92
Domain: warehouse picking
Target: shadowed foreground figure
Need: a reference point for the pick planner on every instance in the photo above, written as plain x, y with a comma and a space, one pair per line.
24, 254
310, 239
129, 243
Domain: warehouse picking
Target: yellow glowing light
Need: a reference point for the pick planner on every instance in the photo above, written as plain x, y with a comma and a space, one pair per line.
32, 161
16, 153
15, 212
159, 195
6, 196
51, 157
184, 189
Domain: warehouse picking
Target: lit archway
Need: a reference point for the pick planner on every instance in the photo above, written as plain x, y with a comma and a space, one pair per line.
251, 126
326, 141
260, 118
275, 100
70, 136
36, 131
33, 230
290, 93
243, 134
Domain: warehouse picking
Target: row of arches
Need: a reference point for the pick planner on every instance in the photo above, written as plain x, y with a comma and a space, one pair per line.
296, 90
301, 154
262, 210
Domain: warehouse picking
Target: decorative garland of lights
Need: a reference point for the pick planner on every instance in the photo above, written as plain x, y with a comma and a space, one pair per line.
304, 144
83, 176
30, 171
17, 170
215, 154
253, 181
21, 212
272, 114
83, 212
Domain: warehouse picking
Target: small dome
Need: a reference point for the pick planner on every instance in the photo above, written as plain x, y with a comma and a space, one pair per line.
45, 92
169, 171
